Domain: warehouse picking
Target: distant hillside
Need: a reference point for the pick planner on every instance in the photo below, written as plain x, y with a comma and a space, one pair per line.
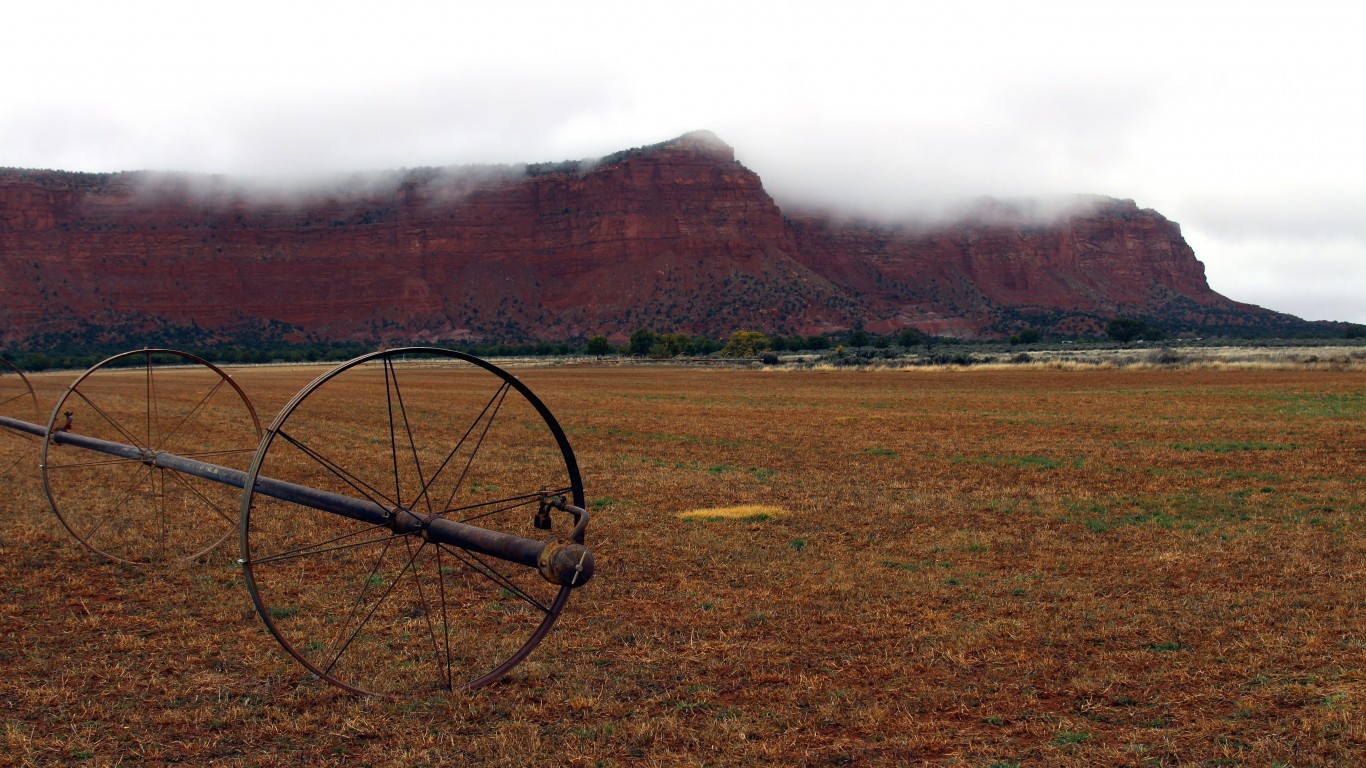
673, 237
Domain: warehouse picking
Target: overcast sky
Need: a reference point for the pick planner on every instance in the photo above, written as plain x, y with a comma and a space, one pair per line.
1245, 122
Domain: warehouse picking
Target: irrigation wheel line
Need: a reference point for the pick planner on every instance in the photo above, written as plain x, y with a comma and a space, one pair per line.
158, 401
387, 612
18, 401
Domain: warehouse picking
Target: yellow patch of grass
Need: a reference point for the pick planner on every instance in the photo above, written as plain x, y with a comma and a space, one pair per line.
746, 512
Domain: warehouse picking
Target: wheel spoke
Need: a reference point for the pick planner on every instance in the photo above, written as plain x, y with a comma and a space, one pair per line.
495, 402
322, 547
190, 414
357, 484
391, 374
19, 396
123, 460
378, 602
112, 421
393, 444
11, 465
10, 435
442, 663
158, 481
153, 407
96, 463
212, 454
109, 512
445, 620
509, 503
357, 604
184, 482
477, 564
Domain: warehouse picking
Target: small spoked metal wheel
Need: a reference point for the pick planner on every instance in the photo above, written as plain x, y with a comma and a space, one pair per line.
157, 401
383, 609
18, 402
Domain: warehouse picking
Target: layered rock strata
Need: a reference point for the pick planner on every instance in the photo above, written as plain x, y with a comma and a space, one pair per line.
675, 237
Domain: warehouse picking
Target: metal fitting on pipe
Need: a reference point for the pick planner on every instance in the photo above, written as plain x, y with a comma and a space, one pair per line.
567, 563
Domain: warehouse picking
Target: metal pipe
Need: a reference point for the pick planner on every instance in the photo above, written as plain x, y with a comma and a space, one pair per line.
37, 430
558, 562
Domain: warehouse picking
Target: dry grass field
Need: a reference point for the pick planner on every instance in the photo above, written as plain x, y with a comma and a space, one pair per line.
1023, 567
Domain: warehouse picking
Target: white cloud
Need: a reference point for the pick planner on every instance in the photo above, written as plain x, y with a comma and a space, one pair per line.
1239, 122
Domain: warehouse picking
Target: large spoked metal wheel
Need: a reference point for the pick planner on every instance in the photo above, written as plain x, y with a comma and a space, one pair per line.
394, 614
160, 401
17, 402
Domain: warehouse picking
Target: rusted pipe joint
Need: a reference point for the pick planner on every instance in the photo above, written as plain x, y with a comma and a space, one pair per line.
566, 563
405, 521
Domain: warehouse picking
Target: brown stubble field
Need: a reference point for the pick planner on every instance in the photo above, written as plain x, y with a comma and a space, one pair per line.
965, 568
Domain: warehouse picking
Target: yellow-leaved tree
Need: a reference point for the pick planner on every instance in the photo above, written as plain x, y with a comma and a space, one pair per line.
746, 344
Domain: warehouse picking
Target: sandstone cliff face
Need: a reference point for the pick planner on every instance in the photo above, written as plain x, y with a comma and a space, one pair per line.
676, 237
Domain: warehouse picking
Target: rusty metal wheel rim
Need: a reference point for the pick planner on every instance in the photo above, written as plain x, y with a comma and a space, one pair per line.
390, 615
17, 401
159, 400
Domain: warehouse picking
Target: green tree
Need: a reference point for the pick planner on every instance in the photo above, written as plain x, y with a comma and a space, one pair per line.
671, 345
1026, 336
859, 338
745, 344
597, 345
703, 344
1125, 328
640, 342
910, 337
1152, 334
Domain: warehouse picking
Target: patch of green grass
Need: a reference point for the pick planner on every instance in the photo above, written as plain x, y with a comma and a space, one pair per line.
1201, 511
1232, 446
1100, 517
915, 567
1333, 700
1266, 477
661, 436
1021, 462
879, 451
1067, 738
1321, 406
714, 470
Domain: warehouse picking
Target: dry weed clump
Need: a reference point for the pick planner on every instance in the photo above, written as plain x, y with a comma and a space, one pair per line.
744, 512
1026, 566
